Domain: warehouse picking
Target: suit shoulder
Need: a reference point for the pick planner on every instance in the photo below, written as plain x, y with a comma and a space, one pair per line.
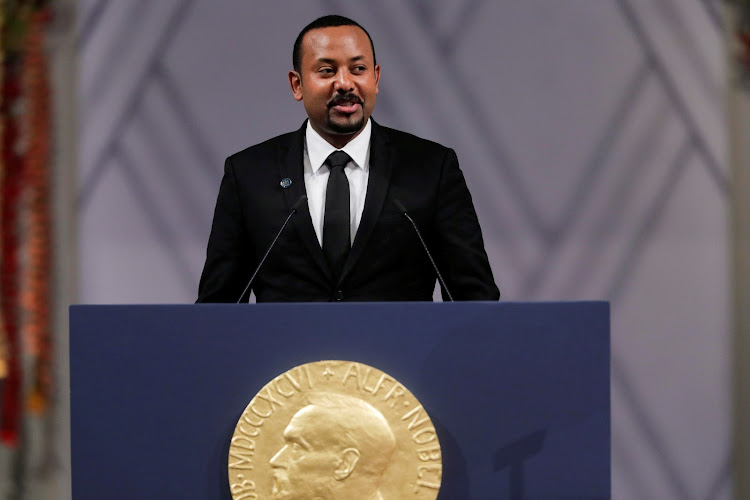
264, 149
405, 140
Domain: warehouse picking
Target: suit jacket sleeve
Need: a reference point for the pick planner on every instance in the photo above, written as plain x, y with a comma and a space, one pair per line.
460, 248
229, 256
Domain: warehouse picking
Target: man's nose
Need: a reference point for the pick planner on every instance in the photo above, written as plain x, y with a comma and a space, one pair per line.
276, 460
343, 82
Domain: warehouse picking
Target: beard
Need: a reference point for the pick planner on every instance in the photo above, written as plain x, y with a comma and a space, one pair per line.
346, 124
283, 489
348, 127
281, 486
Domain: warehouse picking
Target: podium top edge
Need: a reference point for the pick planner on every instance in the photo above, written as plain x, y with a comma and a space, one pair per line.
359, 304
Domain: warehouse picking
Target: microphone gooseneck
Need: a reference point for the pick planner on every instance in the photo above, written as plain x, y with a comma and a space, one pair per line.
400, 206
295, 208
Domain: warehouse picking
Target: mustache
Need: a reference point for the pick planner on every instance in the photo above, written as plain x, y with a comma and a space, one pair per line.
344, 99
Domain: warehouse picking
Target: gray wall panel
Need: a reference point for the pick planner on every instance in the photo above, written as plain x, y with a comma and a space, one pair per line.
591, 133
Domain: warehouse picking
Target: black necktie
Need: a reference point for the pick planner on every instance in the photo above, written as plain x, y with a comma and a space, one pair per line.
336, 223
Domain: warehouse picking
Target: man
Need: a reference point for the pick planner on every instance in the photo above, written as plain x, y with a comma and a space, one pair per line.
338, 447
351, 241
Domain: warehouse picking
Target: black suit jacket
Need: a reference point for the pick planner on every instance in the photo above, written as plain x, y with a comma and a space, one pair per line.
386, 262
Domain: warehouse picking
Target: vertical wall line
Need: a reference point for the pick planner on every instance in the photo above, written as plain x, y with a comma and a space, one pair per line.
738, 112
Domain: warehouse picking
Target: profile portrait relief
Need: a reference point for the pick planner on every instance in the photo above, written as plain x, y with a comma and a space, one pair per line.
335, 447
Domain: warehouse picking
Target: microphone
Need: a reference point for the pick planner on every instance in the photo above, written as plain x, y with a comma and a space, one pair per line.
295, 208
402, 209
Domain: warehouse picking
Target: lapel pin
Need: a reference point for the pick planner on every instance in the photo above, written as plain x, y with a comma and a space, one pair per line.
286, 182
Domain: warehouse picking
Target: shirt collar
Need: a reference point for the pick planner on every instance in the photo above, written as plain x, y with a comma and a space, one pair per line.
318, 149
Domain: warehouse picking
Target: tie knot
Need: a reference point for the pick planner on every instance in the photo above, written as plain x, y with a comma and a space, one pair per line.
338, 159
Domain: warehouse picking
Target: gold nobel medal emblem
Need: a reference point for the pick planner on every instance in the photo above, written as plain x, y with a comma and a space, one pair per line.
334, 430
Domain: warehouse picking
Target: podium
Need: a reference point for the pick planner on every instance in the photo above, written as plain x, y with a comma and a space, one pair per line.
518, 392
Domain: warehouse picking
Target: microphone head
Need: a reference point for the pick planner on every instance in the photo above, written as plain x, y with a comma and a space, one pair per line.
302, 200
400, 206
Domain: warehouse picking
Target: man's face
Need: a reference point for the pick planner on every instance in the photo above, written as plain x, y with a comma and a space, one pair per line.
304, 467
337, 81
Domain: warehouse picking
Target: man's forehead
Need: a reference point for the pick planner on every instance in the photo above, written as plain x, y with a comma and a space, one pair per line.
310, 423
298, 432
338, 38
301, 420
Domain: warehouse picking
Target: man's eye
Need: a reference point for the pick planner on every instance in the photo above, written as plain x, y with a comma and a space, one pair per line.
327, 71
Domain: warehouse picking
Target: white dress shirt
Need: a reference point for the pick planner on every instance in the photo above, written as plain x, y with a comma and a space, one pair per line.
357, 172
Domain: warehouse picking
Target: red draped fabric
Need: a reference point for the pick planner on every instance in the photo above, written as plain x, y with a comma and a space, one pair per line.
25, 218
38, 270
9, 269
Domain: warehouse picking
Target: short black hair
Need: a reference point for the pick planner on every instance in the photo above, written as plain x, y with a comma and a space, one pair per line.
324, 22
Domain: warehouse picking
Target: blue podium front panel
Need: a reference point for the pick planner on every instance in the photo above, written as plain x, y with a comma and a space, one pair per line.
518, 392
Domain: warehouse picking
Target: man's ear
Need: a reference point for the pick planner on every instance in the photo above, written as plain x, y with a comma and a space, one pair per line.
347, 463
295, 81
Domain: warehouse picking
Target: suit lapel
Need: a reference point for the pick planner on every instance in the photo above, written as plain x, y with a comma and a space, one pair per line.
381, 161
292, 167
